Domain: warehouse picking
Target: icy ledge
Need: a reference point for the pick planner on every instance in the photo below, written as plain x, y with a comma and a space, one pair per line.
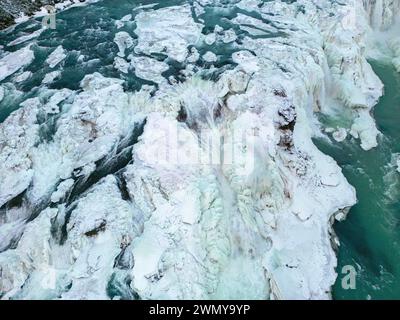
117, 204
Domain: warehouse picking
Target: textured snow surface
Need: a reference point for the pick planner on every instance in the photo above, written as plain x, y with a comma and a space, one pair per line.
19, 10
193, 186
168, 30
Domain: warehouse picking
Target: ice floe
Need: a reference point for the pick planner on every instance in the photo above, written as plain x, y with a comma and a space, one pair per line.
124, 41
149, 69
210, 57
168, 30
25, 38
58, 55
23, 76
50, 77
14, 61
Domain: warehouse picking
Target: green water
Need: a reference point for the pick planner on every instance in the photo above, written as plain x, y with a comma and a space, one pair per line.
89, 32
371, 233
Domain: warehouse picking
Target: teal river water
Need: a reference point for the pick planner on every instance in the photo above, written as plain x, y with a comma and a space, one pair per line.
370, 236
371, 233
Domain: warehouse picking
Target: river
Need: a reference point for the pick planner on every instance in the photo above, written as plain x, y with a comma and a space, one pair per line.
370, 235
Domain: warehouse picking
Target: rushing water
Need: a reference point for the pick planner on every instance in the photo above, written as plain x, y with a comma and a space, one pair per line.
89, 32
371, 233
369, 236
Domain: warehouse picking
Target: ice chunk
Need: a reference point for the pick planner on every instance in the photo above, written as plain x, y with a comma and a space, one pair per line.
340, 134
124, 41
210, 57
51, 76
167, 30
364, 128
23, 76
56, 57
62, 189
121, 64
149, 69
25, 38
14, 61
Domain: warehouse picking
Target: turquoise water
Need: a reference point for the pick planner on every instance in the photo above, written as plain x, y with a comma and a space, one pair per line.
370, 236
89, 31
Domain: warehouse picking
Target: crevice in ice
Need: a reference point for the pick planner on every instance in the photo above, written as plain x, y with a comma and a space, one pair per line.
111, 164
17, 202
121, 182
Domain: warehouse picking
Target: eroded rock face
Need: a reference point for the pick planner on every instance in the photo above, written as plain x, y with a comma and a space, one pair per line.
196, 186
